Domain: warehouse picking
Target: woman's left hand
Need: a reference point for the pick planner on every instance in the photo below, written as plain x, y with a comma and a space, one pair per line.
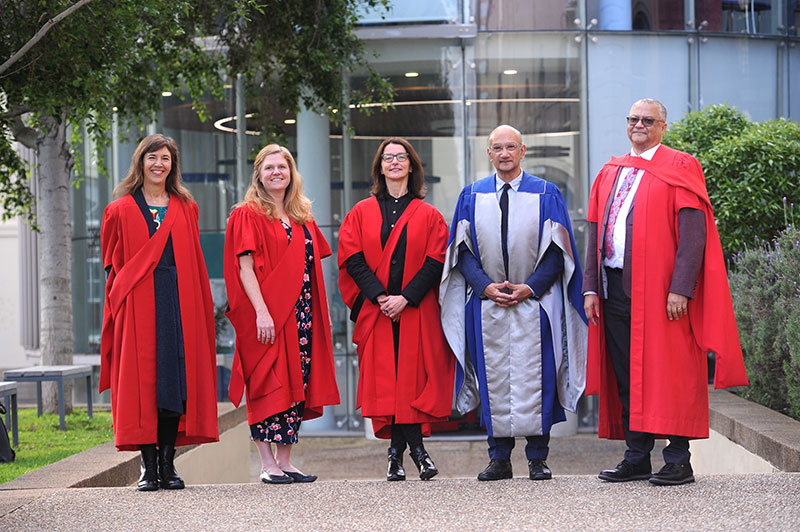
393, 306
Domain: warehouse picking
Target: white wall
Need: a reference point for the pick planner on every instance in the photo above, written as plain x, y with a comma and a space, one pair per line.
12, 355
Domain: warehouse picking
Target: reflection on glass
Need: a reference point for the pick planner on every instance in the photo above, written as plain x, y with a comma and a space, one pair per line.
524, 14
737, 16
639, 15
531, 82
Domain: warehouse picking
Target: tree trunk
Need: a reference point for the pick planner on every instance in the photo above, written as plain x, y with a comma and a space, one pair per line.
55, 255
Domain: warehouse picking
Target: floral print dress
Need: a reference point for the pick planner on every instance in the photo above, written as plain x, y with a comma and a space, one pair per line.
283, 427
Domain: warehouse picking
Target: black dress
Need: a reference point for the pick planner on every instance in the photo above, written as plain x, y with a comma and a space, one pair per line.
283, 427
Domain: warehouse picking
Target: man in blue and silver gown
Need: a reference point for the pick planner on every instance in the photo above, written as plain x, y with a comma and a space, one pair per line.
512, 309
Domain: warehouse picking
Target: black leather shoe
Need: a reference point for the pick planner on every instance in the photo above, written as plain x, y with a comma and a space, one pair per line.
395, 470
496, 470
148, 481
299, 477
538, 470
427, 469
266, 478
166, 468
626, 471
673, 475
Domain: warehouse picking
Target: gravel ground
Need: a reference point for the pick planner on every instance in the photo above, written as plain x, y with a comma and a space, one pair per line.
714, 502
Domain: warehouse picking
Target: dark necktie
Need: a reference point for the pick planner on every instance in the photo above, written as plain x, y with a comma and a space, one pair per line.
504, 225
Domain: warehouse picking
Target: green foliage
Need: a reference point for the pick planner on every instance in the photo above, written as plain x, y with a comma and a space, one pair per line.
766, 298
41, 443
16, 198
697, 132
751, 169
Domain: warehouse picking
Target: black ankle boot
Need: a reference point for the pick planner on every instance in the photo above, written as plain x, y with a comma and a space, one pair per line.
166, 468
148, 481
395, 471
427, 469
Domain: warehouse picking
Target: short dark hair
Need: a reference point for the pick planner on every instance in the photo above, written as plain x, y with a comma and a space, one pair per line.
416, 179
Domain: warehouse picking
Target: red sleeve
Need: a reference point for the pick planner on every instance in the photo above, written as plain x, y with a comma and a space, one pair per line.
349, 237
243, 233
439, 234
108, 234
322, 244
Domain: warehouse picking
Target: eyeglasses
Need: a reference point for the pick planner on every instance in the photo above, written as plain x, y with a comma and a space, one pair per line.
401, 157
633, 120
497, 148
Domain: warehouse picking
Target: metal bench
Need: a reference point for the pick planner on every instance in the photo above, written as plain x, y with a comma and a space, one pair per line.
39, 374
8, 390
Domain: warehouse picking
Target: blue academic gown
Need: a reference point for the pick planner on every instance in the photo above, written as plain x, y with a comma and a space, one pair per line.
523, 364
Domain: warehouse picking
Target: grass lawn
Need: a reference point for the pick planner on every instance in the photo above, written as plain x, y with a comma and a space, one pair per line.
41, 443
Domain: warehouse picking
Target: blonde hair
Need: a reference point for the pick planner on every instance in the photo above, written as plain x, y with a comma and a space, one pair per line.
135, 178
297, 205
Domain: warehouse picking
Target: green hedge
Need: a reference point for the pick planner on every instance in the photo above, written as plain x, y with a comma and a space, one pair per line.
751, 169
766, 298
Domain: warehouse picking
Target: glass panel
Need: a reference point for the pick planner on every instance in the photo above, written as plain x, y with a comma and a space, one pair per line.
739, 16
530, 81
428, 112
748, 68
638, 15
524, 14
618, 77
428, 11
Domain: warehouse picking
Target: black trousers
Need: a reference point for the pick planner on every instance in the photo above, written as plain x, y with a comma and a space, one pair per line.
617, 318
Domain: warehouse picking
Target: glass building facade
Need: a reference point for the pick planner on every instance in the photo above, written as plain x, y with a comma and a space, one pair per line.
563, 72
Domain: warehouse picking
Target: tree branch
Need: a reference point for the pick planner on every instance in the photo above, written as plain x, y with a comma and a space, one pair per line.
41, 33
15, 112
24, 134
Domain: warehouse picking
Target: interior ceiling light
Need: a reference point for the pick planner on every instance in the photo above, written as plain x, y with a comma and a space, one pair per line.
290, 121
219, 124
412, 74
509, 72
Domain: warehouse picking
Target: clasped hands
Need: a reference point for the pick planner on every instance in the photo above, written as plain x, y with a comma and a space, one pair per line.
392, 306
507, 294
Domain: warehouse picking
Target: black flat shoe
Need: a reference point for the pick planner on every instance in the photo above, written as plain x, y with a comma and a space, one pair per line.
673, 475
300, 477
266, 478
427, 469
496, 470
538, 470
626, 472
395, 470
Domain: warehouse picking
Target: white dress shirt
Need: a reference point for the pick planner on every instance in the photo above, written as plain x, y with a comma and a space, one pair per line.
616, 261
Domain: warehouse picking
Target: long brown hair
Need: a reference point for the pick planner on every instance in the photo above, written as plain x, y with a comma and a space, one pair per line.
296, 204
135, 178
416, 178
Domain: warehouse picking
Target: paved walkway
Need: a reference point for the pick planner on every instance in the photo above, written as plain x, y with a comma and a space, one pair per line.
351, 495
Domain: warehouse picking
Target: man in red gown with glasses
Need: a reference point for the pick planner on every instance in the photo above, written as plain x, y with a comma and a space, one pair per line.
656, 294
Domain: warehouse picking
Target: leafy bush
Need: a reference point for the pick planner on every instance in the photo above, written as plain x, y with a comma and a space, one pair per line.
749, 167
766, 299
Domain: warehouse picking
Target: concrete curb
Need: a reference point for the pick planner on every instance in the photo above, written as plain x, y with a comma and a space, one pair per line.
764, 432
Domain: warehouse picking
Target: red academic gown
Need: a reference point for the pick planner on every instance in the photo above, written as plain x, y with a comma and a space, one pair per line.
128, 342
271, 373
421, 389
668, 371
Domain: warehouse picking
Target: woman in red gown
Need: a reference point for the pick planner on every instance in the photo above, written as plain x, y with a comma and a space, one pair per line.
158, 349
276, 295
391, 255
